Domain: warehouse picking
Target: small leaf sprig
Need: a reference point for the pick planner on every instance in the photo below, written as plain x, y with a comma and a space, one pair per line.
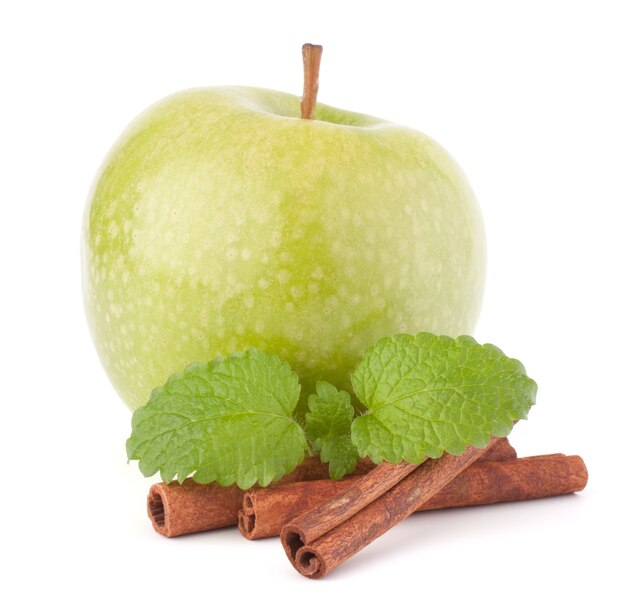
328, 425
229, 420
232, 420
431, 394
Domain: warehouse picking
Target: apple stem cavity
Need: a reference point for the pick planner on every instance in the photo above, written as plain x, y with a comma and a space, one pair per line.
311, 57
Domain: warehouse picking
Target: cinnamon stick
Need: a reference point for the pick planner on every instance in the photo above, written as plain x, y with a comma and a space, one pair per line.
314, 553
176, 509
266, 510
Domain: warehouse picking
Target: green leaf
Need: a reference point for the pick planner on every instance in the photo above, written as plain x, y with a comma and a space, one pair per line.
431, 394
328, 425
229, 420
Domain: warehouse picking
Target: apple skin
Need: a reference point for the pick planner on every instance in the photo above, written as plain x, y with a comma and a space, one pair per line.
220, 221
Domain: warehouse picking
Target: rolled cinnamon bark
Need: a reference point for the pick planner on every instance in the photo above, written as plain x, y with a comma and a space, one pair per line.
265, 511
314, 552
176, 509
321, 519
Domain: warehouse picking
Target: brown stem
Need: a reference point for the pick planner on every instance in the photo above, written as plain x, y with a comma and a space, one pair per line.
311, 57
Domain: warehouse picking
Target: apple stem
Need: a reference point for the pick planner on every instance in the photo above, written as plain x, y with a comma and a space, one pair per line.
311, 57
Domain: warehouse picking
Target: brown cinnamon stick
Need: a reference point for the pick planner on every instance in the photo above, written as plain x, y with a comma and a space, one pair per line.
292, 503
336, 510
176, 509
314, 553
266, 510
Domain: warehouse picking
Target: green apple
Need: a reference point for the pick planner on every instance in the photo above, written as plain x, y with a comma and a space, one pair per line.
221, 220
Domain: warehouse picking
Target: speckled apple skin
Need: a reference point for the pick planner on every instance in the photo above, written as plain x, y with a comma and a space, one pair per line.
220, 220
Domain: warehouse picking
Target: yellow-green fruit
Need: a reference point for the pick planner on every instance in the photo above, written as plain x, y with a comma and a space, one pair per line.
222, 221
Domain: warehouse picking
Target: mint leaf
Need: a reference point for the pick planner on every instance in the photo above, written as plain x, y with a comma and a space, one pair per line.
328, 425
428, 394
229, 420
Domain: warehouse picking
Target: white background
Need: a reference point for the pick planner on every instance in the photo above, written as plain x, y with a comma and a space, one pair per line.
529, 97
